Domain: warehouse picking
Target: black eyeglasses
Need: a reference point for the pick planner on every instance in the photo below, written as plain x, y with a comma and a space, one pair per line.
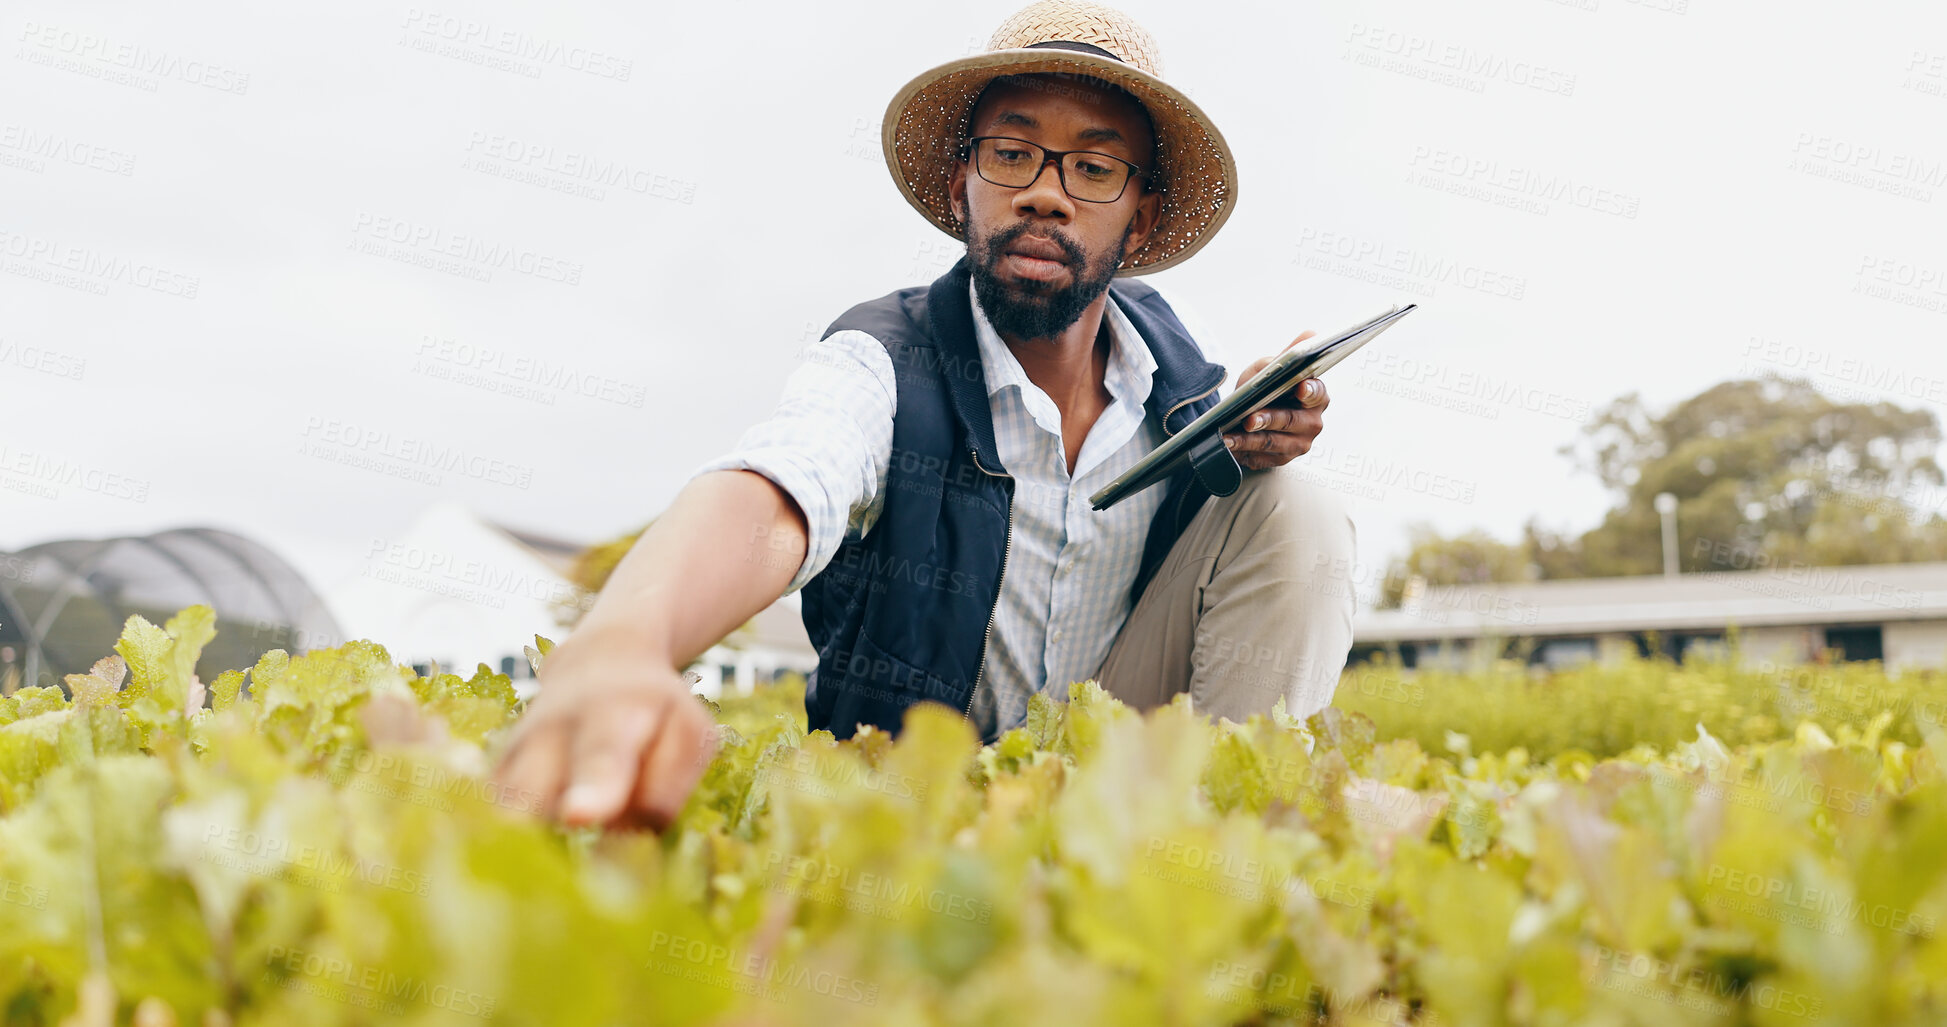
1016, 163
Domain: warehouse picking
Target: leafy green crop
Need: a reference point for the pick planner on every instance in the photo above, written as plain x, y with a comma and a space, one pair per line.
314, 841
1607, 709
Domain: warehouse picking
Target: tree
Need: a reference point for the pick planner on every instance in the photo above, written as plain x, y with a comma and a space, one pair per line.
1766, 472
1473, 558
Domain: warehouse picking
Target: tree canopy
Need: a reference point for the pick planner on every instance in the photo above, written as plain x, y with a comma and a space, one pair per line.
1765, 471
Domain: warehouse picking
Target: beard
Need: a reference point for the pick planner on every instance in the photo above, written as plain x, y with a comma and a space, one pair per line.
1028, 309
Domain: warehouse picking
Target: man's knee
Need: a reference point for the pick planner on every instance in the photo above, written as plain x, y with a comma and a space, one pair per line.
1292, 536
1285, 582
1290, 506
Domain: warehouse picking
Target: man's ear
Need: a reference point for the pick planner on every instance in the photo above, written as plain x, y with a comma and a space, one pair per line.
956, 194
1149, 210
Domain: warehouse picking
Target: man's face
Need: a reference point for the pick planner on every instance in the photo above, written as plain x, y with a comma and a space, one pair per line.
1029, 298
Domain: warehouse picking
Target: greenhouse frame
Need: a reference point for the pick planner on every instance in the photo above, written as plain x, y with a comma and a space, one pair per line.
63, 603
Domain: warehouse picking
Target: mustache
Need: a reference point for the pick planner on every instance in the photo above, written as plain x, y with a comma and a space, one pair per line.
1002, 240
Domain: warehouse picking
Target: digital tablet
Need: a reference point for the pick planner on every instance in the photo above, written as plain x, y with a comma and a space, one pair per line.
1202, 441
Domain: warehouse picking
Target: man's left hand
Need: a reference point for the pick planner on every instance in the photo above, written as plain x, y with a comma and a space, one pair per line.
1286, 427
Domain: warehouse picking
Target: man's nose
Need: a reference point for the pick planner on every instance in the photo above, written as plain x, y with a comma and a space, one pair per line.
1045, 195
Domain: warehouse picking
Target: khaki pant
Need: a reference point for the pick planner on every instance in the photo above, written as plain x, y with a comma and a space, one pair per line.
1254, 602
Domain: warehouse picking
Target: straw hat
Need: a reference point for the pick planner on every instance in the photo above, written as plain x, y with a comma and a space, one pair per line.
1194, 167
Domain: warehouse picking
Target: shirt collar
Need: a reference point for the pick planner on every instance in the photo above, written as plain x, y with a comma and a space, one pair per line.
1128, 376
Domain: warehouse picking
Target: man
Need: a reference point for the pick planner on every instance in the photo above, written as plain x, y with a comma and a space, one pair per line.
925, 479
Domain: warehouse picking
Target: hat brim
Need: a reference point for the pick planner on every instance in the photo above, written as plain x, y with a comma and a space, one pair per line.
928, 116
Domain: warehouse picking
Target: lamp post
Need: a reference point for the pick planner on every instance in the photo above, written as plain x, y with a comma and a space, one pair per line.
1666, 504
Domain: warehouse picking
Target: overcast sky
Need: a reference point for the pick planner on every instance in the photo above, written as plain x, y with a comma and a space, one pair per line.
256, 264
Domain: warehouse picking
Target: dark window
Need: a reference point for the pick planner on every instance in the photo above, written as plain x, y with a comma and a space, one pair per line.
1675, 644
1563, 652
1856, 643
1703, 642
507, 665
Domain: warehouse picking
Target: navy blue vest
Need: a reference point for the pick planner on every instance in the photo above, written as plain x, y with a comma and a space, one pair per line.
902, 615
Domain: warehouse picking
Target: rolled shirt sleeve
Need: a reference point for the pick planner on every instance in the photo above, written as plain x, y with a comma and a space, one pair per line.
828, 443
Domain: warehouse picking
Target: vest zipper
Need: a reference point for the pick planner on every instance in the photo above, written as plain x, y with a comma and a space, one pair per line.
1007, 547
1179, 406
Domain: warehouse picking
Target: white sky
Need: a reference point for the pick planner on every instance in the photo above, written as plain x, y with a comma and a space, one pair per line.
1767, 152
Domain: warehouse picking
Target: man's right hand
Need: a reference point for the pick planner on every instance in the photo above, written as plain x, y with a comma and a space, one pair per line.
613, 738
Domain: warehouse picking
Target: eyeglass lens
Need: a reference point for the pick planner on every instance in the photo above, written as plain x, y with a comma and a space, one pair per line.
1015, 163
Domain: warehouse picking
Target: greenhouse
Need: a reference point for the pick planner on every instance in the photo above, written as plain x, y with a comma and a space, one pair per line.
63, 603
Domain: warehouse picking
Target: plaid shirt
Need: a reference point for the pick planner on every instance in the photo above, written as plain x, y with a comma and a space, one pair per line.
1065, 588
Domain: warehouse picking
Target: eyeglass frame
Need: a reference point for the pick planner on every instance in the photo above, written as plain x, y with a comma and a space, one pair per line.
969, 145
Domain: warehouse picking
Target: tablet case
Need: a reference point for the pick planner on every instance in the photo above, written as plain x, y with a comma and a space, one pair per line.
1212, 462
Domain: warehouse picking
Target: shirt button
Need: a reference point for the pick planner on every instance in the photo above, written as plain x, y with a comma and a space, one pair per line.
1056, 637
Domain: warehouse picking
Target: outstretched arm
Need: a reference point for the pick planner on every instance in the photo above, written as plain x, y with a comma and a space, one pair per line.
614, 736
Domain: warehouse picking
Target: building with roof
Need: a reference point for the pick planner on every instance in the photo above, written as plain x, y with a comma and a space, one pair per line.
1782, 615
773, 643
457, 590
